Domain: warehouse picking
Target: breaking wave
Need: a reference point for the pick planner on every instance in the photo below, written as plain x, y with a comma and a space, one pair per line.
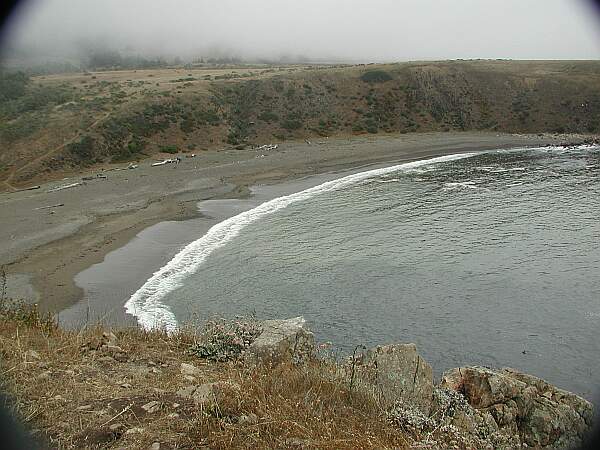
146, 305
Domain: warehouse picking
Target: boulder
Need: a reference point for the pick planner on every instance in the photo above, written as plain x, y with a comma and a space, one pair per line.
207, 394
541, 414
482, 387
283, 340
189, 370
151, 407
397, 374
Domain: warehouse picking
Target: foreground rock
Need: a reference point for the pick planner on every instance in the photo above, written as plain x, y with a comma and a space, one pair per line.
522, 405
283, 340
208, 394
397, 373
472, 407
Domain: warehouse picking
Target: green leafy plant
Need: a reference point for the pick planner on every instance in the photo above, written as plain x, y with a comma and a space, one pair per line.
225, 340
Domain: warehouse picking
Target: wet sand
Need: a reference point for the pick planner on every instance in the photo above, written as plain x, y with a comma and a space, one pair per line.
45, 248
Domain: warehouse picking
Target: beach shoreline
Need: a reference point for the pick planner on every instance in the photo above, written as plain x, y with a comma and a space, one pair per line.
53, 236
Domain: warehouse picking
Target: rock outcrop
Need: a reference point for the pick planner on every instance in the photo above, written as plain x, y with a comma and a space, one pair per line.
472, 407
397, 373
282, 340
540, 414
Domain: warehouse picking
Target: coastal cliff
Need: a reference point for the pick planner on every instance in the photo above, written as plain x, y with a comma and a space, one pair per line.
248, 384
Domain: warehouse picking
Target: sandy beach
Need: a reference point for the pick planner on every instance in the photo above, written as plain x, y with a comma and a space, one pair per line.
49, 237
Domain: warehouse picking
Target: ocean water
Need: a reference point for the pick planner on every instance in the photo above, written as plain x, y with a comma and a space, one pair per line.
485, 258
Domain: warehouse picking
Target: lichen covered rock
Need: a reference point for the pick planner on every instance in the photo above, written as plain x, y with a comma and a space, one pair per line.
283, 340
397, 373
521, 404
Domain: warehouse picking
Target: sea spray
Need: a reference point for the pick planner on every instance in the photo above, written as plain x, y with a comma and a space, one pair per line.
146, 305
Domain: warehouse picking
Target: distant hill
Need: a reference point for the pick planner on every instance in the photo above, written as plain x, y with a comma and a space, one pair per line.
62, 123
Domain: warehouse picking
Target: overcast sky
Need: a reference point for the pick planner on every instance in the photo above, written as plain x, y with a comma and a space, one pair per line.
367, 30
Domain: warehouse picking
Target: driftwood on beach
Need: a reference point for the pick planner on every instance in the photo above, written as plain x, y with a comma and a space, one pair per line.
66, 186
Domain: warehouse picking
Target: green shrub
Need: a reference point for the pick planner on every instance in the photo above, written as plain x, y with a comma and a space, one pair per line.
187, 125
375, 76
19, 128
171, 149
82, 149
291, 124
268, 116
12, 85
225, 340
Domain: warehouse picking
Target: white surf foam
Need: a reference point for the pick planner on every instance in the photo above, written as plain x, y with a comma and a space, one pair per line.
460, 185
146, 303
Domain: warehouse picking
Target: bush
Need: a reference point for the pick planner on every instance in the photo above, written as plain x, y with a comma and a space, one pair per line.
291, 124
224, 340
268, 116
187, 125
12, 85
375, 76
171, 149
82, 149
19, 128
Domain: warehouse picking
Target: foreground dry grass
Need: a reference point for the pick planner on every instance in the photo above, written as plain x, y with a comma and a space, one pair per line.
73, 391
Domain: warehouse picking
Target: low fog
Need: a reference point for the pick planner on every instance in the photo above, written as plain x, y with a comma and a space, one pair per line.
317, 30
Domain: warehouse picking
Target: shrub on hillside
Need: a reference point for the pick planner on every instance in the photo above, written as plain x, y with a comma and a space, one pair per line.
268, 116
20, 128
375, 76
171, 149
291, 124
12, 85
82, 149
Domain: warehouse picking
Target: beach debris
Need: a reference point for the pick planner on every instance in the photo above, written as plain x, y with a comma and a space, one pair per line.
65, 186
27, 188
166, 161
132, 166
94, 177
49, 206
267, 147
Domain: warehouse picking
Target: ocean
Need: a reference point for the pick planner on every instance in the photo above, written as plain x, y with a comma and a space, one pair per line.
486, 258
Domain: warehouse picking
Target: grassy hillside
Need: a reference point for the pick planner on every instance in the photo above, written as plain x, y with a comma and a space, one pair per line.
54, 124
71, 391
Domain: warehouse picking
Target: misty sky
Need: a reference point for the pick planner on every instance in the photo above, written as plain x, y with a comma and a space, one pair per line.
366, 30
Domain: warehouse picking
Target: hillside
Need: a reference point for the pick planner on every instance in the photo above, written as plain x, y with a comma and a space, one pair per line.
57, 124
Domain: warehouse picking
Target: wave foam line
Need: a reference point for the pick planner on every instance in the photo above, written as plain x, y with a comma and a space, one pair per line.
146, 305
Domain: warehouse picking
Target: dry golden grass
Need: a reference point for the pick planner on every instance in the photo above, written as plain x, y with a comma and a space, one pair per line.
73, 391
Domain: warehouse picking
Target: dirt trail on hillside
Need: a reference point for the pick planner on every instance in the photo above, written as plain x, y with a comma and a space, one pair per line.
78, 135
